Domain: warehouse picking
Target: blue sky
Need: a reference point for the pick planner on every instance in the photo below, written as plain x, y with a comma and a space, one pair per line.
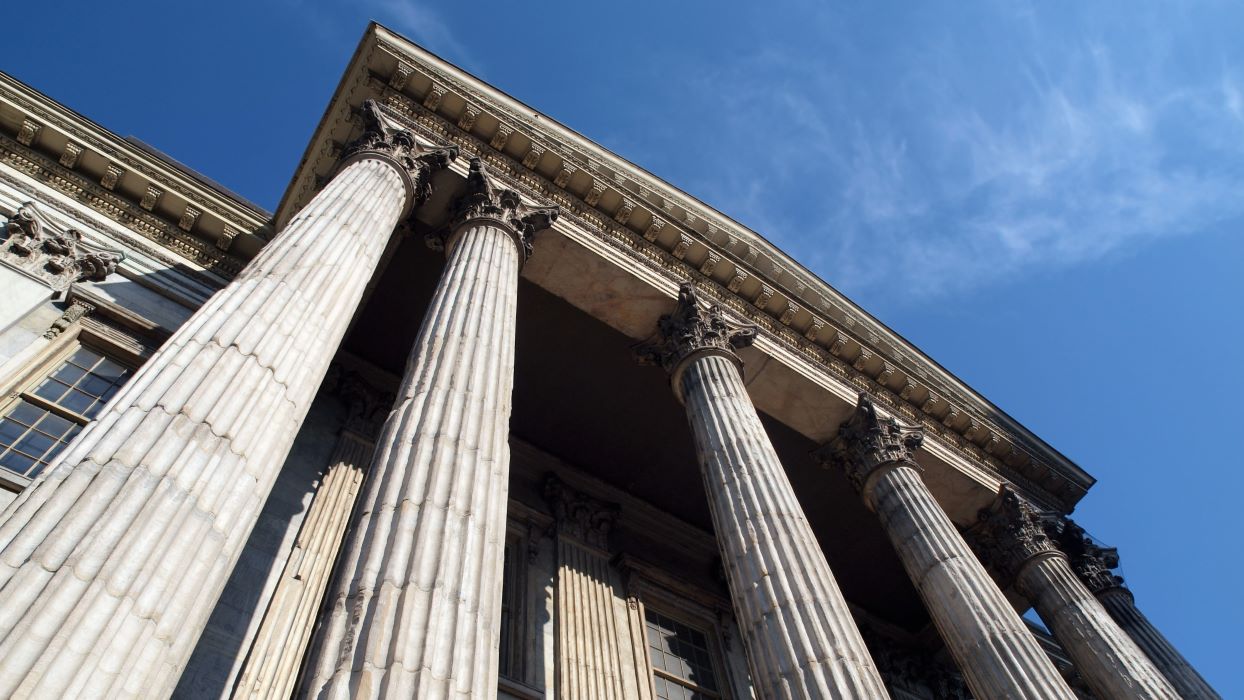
1045, 197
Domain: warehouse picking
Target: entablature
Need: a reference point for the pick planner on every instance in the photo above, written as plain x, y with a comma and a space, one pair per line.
638, 216
127, 182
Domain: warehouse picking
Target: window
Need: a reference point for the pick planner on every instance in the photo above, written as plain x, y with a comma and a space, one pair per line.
46, 416
682, 664
511, 657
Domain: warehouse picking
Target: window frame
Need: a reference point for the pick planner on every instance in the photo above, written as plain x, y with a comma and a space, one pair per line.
22, 384
687, 611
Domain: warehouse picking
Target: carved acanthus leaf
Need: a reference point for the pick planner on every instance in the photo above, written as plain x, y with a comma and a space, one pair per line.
366, 406
1091, 561
56, 255
384, 137
694, 327
580, 516
866, 441
1008, 534
482, 200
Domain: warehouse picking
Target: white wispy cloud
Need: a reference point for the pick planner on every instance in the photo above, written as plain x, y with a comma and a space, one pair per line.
423, 24
947, 187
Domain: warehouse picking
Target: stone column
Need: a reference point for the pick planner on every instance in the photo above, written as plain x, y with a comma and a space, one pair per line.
589, 652
998, 655
1014, 542
112, 561
272, 665
1092, 564
416, 606
800, 638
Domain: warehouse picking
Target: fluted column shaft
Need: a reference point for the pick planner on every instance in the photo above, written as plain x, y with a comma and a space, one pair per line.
1121, 607
589, 650
272, 664
112, 562
800, 638
1111, 664
993, 648
415, 610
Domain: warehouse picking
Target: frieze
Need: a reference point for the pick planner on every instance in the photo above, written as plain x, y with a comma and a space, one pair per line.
625, 240
83, 138
690, 216
120, 210
57, 256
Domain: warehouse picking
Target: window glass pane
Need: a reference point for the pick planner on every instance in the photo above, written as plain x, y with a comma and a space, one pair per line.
26, 413
30, 437
53, 424
76, 401
85, 358
68, 373
682, 652
10, 430
110, 370
35, 443
16, 461
51, 389
94, 384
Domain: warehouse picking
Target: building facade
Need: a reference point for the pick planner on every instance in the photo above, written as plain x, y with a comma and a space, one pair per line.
484, 410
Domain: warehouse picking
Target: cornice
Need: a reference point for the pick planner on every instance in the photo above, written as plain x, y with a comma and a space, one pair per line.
108, 204
156, 192
646, 219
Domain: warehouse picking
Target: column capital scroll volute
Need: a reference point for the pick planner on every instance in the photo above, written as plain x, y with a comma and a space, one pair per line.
384, 139
694, 329
868, 441
1010, 533
484, 201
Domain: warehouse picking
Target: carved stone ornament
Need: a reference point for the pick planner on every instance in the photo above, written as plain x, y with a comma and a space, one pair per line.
366, 406
867, 441
386, 139
579, 516
483, 201
1091, 562
1008, 534
59, 257
693, 328
74, 313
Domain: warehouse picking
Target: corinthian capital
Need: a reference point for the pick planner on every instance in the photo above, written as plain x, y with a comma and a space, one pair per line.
1091, 562
694, 327
386, 140
1009, 533
578, 515
867, 441
482, 200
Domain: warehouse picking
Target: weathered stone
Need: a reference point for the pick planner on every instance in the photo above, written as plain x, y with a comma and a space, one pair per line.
998, 656
111, 563
800, 638
416, 608
1093, 564
1013, 540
